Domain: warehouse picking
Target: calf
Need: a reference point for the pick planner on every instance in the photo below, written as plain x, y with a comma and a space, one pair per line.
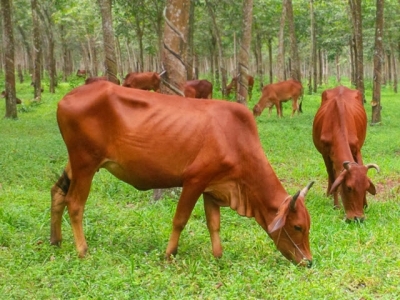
276, 93
339, 131
5, 95
151, 140
201, 89
94, 79
81, 73
143, 81
232, 86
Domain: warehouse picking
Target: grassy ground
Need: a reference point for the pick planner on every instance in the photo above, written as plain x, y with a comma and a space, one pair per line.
127, 233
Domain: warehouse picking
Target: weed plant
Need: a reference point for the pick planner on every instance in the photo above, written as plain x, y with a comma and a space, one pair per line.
127, 232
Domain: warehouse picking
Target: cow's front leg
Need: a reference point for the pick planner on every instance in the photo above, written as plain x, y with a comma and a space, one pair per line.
213, 217
187, 201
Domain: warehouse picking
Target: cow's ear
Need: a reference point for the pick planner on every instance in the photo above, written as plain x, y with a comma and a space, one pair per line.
371, 188
280, 220
337, 182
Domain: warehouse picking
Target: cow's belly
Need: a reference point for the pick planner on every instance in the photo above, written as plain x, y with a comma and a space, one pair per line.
144, 176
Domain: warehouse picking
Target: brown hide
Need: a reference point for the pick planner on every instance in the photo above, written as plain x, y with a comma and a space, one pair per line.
276, 93
232, 86
151, 140
339, 131
201, 89
4, 95
143, 81
81, 73
94, 79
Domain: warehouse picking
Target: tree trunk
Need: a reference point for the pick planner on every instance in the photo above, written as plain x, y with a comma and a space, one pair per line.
8, 35
244, 52
378, 59
176, 16
271, 75
337, 62
108, 41
27, 47
355, 6
314, 57
221, 68
190, 45
281, 45
37, 50
294, 53
394, 64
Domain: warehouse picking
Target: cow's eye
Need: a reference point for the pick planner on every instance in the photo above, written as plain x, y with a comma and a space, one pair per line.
298, 228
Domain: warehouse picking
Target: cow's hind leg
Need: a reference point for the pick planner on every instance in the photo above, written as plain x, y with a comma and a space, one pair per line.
213, 223
76, 200
295, 106
58, 192
187, 201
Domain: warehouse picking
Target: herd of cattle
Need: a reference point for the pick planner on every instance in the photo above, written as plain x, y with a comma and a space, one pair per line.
210, 148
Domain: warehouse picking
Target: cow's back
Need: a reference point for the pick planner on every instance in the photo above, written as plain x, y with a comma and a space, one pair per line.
154, 135
341, 118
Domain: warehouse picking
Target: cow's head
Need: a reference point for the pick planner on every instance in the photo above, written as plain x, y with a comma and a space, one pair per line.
290, 229
231, 86
353, 184
257, 110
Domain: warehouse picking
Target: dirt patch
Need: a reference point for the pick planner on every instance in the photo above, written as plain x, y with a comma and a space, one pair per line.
388, 189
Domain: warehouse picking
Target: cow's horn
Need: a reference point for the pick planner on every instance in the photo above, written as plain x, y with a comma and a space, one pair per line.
292, 204
374, 166
346, 165
304, 191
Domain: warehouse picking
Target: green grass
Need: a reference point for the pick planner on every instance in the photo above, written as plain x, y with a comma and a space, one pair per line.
127, 232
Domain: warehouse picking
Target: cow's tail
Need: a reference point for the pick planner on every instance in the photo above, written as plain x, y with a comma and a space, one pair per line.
301, 99
63, 183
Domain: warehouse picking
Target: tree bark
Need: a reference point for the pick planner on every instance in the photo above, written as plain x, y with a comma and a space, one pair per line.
108, 41
281, 45
394, 64
176, 16
314, 59
271, 77
37, 52
355, 6
244, 52
378, 60
8, 35
294, 53
221, 68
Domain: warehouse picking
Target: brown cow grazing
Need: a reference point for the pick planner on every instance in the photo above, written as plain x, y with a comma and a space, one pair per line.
81, 73
143, 81
276, 93
94, 79
208, 147
339, 131
232, 86
4, 95
201, 89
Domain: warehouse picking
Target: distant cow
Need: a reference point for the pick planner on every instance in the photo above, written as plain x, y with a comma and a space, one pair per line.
81, 73
201, 89
339, 131
232, 86
276, 93
151, 140
94, 79
143, 81
4, 95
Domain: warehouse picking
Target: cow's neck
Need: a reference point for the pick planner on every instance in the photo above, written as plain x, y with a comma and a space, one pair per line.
267, 195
